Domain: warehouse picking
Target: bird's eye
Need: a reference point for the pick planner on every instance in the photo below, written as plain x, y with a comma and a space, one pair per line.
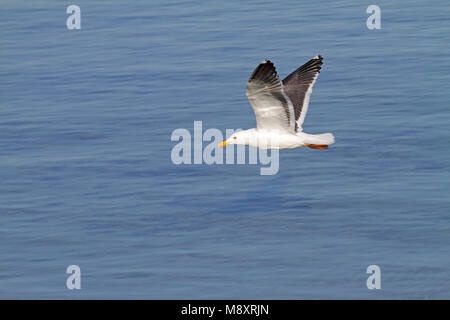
234, 138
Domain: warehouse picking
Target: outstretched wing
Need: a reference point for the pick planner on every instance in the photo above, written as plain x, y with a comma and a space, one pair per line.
272, 107
298, 87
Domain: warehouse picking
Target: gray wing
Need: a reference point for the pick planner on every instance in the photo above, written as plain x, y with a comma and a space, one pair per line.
298, 87
273, 108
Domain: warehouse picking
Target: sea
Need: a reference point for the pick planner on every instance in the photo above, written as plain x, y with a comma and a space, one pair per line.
89, 183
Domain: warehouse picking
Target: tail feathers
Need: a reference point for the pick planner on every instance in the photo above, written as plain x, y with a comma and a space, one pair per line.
319, 139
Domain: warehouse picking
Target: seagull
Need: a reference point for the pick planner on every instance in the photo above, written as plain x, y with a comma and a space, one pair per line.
280, 108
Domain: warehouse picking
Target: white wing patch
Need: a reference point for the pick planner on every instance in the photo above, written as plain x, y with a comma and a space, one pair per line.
305, 105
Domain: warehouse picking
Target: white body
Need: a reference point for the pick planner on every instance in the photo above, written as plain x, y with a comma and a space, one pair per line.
274, 139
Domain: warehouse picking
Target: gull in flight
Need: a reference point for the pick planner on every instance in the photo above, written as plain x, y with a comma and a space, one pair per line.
280, 108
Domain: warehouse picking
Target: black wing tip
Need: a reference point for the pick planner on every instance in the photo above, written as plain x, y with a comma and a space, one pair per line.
264, 70
317, 61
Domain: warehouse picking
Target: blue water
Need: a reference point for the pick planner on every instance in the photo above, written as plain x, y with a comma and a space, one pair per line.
87, 179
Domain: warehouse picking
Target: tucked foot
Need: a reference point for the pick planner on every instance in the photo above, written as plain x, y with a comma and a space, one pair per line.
317, 146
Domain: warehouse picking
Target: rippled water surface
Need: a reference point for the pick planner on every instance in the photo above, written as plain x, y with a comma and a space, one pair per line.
86, 175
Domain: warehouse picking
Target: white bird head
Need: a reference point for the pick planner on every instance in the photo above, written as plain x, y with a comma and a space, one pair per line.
240, 137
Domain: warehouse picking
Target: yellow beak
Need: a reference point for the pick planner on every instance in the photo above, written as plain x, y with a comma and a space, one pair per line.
222, 144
